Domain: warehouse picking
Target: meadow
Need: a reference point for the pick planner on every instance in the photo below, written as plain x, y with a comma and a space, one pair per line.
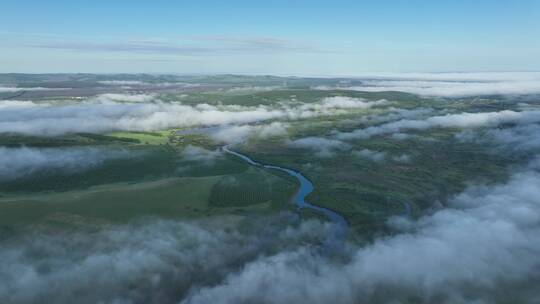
415, 174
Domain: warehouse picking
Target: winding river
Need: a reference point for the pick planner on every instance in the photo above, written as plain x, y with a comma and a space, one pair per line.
340, 226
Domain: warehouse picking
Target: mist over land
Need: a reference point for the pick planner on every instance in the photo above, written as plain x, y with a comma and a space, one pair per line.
116, 188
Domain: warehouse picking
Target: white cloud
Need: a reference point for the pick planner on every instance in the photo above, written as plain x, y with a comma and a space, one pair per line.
453, 84
518, 138
142, 262
129, 83
201, 155
123, 97
122, 82
378, 156
401, 136
391, 114
342, 102
253, 89
19, 162
112, 112
100, 115
403, 158
240, 133
323, 147
18, 89
461, 120
484, 248
375, 156
6, 104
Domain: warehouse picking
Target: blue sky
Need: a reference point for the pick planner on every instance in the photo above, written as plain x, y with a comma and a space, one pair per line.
270, 37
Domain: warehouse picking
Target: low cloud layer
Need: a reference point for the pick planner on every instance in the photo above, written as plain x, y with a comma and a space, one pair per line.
200, 155
484, 248
140, 84
454, 84
461, 120
111, 112
18, 89
343, 102
20, 162
240, 133
151, 261
376, 156
111, 116
520, 138
123, 97
122, 82
323, 147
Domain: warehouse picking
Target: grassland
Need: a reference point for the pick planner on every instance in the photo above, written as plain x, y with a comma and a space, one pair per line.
163, 183
147, 138
171, 197
159, 182
367, 191
254, 185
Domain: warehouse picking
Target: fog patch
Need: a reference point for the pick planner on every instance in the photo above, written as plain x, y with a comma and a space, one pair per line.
152, 261
521, 138
484, 248
379, 156
403, 158
452, 84
246, 89
122, 82
146, 112
16, 163
372, 155
343, 102
137, 83
19, 89
240, 133
323, 147
7, 104
125, 97
392, 114
401, 136
200, 155
100, 115
461, 120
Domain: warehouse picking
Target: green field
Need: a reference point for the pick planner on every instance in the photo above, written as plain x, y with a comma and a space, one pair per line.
172, 197
161, 182
254, 185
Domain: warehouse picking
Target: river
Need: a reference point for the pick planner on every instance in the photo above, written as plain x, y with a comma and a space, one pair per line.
340, 226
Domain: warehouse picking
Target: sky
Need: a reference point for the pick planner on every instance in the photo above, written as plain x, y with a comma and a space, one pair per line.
269, 37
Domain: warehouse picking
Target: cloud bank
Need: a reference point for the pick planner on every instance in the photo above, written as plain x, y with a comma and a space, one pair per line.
343, 102
485, 248
323, 147
240, 133
453, 84
461, 120
18, 89
200, 155
152, 261
375, 156
114, 112
123, 97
